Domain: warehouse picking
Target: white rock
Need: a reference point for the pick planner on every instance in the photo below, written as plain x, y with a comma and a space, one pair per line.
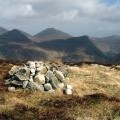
11, 89
69, 87
61, 85
68, 91
31, 78
32, 65
32, 72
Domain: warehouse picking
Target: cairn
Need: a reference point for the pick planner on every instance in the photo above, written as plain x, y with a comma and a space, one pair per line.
38, 76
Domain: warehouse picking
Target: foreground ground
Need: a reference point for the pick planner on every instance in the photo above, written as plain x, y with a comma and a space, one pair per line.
96, 96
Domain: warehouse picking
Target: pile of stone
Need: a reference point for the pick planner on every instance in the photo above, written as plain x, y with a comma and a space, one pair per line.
38, 76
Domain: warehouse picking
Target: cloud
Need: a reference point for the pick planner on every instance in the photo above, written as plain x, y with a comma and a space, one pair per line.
17, 11
81, 15
27, 11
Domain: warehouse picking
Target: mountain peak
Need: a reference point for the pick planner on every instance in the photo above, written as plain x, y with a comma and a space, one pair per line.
15, 31
15, 35
51, 34
51, 29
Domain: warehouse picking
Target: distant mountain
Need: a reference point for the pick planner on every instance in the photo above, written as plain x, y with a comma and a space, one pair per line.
14, 36
3, 30
24, 33
53, 44
50, 34
109, 45
19, 52
15, 45
75, 49
116, 59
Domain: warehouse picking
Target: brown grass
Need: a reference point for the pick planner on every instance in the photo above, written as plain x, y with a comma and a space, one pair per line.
96, 96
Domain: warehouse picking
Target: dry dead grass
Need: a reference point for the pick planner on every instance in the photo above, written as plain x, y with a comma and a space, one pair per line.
96, 97
89, 79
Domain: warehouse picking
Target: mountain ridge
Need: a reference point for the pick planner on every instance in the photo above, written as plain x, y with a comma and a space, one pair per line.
71, 49
3, 30
79, 47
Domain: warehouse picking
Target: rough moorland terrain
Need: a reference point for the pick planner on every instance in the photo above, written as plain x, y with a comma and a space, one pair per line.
96, 96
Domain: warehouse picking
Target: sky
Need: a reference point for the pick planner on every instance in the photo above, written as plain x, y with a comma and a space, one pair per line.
76, 17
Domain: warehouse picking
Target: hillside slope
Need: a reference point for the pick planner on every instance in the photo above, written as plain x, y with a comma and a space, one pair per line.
15, 45
109, 45
75, 49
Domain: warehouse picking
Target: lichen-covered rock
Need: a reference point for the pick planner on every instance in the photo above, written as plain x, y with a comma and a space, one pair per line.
43, 69
14, 70
35, 86
59, 75
48, 87
54, 82
7, 82
16, 82
49, 74
23, 73
52, 79
24, 84
39, 78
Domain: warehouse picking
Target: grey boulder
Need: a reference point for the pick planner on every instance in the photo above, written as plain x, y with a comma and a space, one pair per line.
35, 86
24, 84
59, 75
16, 82
14, 69
39, 78
23, 73
48, 87
52, 79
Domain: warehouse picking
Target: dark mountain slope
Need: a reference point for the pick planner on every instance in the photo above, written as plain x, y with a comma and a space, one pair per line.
109, 45
75, 49
14, 36
3, 30
15, 45
116, 59
18, 52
